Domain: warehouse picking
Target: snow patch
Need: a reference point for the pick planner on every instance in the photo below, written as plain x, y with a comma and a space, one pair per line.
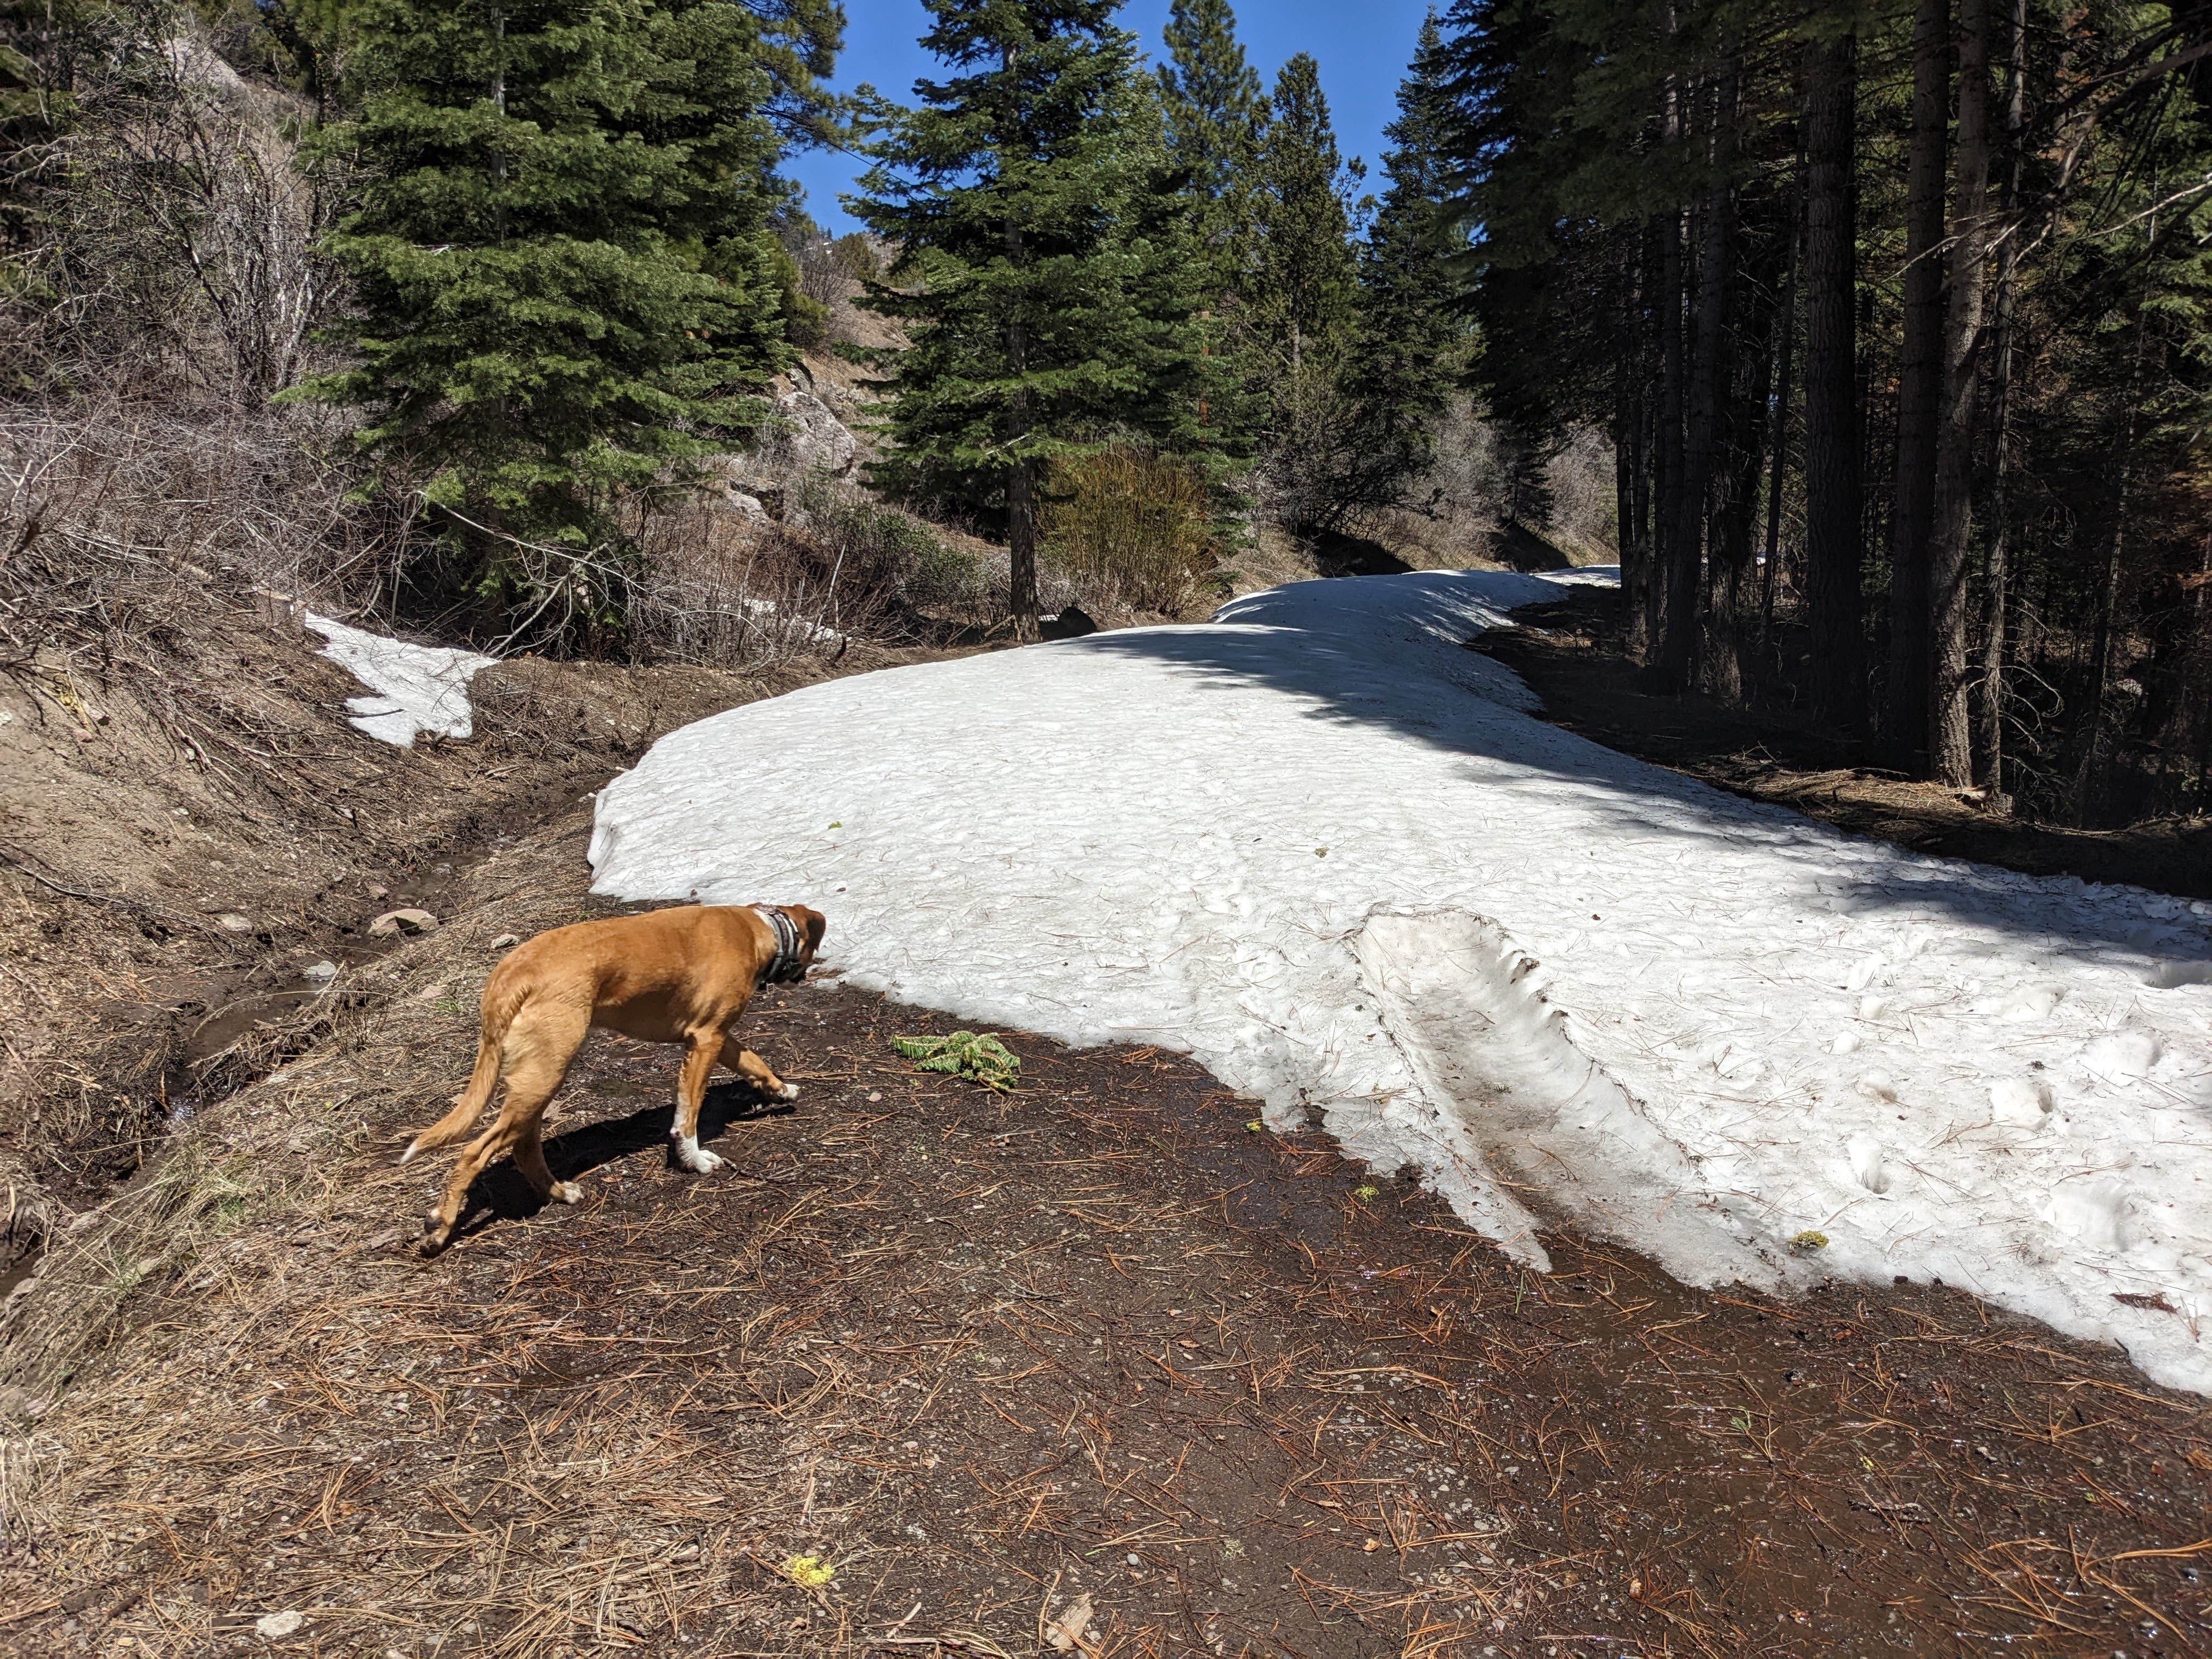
418, 688
1326, 850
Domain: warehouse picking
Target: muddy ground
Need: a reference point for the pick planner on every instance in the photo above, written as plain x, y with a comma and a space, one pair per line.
1571, 654
981, 1357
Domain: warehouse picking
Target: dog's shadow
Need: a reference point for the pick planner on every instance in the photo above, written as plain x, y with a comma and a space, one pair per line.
500, 1194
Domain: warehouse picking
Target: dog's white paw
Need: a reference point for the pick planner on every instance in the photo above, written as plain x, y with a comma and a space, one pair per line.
789, 1091
687, 1153
567, 1192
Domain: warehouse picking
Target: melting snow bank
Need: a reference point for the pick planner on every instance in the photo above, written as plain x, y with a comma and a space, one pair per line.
419, 688
1321, 847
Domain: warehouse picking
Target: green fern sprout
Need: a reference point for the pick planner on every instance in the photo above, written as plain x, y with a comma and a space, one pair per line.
984, 1059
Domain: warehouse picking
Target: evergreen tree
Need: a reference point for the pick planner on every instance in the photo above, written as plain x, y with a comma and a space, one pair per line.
1214, 106
1411, 342
41, 42
1047, 277
1304, 277
563, 276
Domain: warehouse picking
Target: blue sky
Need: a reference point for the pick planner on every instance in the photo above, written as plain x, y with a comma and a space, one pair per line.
1363, 47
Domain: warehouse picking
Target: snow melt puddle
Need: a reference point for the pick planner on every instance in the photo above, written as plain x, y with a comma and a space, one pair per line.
419, 688
1322, 849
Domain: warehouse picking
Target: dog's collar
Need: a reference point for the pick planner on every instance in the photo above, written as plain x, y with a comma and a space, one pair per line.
785, 966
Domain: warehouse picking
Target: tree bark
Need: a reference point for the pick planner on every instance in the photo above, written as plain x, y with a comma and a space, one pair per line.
1628, 464
1990, 705
1777, 442
1950, 737
2108, 594
1919, 392
1667, 439
1679, 651
1832, 407
1021, 549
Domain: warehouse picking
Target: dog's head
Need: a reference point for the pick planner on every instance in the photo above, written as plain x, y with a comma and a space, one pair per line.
793, 960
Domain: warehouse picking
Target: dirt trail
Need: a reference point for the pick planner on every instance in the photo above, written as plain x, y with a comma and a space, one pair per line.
982, 1356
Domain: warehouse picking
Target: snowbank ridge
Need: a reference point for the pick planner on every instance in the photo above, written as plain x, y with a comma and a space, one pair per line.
1329, 853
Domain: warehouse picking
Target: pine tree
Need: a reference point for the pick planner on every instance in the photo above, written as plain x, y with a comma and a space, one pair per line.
1214, 106
1303, 278
41, 42
564, 281
1411, 341
1047, 277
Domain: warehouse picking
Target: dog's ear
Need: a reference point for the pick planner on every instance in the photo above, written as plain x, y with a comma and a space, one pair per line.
815, 924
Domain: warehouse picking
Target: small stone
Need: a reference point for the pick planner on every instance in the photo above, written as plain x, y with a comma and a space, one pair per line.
507, 941
319, 973
278, 1625
407, 920
378, 889
231, 922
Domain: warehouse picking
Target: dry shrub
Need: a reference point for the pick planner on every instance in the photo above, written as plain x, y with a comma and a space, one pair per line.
188, 254
1135, 525
106, 506
712, 587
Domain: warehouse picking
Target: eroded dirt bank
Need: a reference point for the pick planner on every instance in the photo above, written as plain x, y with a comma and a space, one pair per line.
983, 1356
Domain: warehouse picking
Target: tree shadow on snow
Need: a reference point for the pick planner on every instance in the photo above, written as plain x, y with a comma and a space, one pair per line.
1399, 667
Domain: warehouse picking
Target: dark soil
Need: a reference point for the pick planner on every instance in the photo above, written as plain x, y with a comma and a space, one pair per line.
1570, 652
982, 1355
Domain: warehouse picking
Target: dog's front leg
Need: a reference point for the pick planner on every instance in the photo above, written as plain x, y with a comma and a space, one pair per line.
755, 1071
706, 1047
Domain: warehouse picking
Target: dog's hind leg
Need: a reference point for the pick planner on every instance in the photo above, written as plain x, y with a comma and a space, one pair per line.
706, 1047
755, 1071
537, 1056
530, 1159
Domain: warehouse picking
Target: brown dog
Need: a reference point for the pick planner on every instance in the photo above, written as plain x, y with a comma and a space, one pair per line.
682, 976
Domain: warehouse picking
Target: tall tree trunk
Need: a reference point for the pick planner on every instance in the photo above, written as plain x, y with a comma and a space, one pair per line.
1732, 665
2108, 594
1021, 549
1919, 392
1627, 432
1021, 475
1640, 481
1777, 439
1021, 488
1679, 651
2203, 631
1950, 738
1831, 400
1996, 577
1667, 479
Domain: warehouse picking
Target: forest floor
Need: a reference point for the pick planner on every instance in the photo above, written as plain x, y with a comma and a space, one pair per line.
1102, 1344
1571, 654
982, 1357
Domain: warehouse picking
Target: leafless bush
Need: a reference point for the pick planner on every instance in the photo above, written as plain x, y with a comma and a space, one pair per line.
188, 253
833, 271
105, 503
1585, 509
711, 587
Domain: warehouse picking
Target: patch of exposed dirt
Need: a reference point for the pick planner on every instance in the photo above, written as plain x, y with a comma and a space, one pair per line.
985, 1355
192, 838
1570, 654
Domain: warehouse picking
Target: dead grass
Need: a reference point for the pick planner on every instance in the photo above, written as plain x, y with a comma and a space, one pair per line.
985, 1355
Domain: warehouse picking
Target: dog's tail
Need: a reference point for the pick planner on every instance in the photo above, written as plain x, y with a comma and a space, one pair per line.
501, 1004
